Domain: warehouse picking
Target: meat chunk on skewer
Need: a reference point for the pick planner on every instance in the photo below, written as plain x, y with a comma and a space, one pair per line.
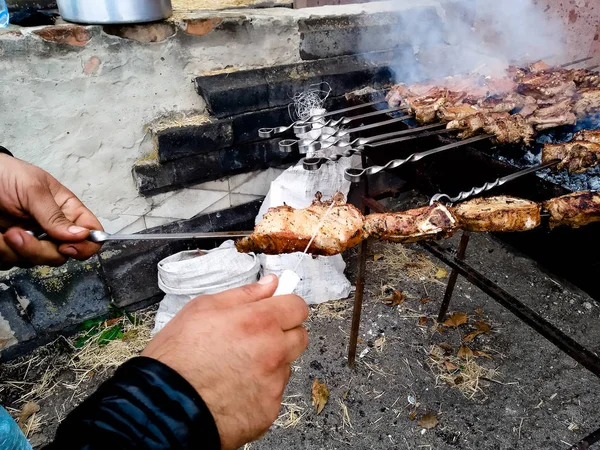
288, 230
587, 135
427, 223
588, 101
506, 128
553, 115
575, 156
498, 214
574, 210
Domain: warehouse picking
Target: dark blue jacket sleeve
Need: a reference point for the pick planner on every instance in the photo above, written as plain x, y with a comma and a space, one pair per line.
145, 405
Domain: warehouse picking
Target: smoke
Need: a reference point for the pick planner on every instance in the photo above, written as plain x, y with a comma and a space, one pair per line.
483, 36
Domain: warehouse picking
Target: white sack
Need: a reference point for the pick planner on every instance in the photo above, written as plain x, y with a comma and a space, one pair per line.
188, 274
322, 278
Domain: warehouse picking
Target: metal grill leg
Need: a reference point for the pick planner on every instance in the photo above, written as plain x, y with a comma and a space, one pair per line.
586, 442
462, 249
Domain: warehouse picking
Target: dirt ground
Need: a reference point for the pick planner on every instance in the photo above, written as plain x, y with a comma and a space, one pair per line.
489, 383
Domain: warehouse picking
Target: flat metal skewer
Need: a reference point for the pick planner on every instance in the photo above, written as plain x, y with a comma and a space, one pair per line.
304, 145
315, 163
355, 175
489, 186
102, 236
270, 132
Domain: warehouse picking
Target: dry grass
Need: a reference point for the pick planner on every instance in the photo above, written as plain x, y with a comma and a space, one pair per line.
335, 309
401, 263
94, 358
180, 119
463, 374
291, 413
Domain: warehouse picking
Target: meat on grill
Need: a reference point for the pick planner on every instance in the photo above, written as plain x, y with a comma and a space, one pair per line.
576, 156
553, 115
506, 128
427, 223
588, 101
587, 135
574, 210
287, 230
498, 214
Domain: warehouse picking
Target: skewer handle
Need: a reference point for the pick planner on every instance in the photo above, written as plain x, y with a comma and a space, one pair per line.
489, 186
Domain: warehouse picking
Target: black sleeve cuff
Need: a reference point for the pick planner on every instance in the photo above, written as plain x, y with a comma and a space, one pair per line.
145, 405
5, 151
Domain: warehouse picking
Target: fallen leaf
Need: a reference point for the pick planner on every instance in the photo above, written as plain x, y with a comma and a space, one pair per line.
456, 320
428, 421
464, 352
320, 395
479, 311
459, 380
450, 367
360, 341
425, 300
482, 326
379, 343
442, 329
423, 321
28, 410
448, 349
396, 299
111, 322
441, 273
412, 415
377, 257
469, 337
477, 353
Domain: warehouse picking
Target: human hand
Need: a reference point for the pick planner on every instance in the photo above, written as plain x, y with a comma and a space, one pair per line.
235, 349
31, 198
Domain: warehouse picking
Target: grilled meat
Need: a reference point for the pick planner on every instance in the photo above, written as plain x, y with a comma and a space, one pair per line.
288, 230
588, 101
574, 210
547, 86
587, 135
427, 223
510, 130
498, 214
553, 115
575, 156
474, 124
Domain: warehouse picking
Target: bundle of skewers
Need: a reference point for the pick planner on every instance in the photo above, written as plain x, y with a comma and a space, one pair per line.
331, 227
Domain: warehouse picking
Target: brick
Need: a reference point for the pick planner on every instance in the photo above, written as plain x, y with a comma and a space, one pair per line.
152, 178
235, 93
131, 270
62, 298
65, 34
327, 37
179, 142
200, 26
145, 33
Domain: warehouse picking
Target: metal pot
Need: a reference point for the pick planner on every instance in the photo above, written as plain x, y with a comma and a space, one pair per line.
114, 11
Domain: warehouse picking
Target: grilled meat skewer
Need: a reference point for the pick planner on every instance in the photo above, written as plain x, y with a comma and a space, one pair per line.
341, 226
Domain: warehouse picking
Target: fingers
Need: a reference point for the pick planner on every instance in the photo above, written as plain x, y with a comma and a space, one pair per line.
28, 248
295, 341
42, 206
8, 257
265, 288
289, 310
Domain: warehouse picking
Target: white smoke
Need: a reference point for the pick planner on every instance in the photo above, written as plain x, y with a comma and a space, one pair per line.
485, 36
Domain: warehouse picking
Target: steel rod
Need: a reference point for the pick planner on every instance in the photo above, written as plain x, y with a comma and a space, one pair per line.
462, 249
562, 341
360, 281
494, 184
577, 61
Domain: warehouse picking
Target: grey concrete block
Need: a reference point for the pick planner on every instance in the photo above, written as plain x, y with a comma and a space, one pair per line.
15, 330
61, 298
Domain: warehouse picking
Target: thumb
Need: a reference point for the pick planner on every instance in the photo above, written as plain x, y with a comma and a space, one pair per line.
45, 211
249, 293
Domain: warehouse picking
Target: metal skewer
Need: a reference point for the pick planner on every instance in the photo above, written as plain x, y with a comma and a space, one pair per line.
270, 132
489, 186
315, 163
360, 142
102, 236
287, 145
355, 175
